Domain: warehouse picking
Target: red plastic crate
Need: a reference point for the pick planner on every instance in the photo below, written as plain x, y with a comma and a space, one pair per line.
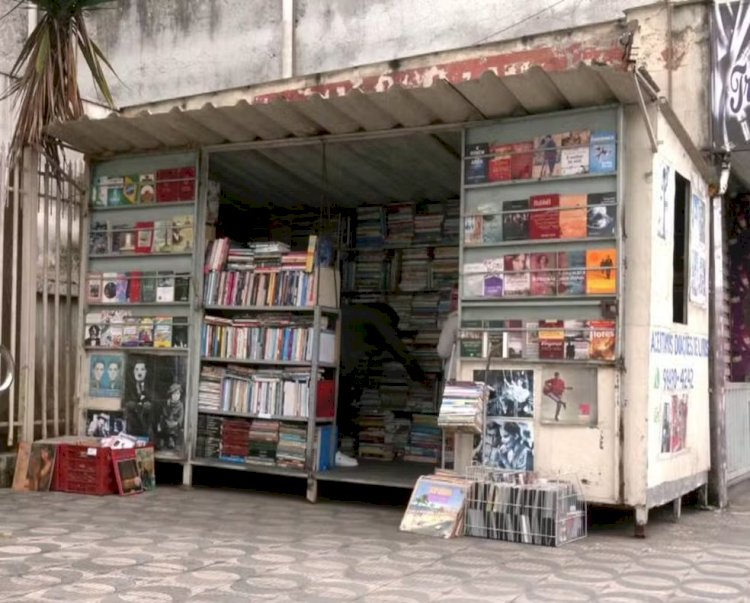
84, 470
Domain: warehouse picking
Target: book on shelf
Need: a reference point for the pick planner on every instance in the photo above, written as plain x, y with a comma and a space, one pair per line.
147, 188
134, 286
123, 238
130, 190
99, 238
145, 332
531, 341
180, 330
476, 164
162, 332
182, 233
94, 287
522, 160
144, 237
148, 287
114, 288
473, 228
514, 338
602, 340
165, 286
471, 343
182, 287
492, 228
543, 273
161, 242
571, 272
494, 278
573, 224
547, 156
576, 340
130, 333
601, 215
601, 271
473, 277
603, 153
516, 220
544, 222
517, 275
551, 339
574, 155
499, 165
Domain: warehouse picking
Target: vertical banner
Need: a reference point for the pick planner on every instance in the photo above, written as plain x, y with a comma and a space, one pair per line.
731, 74
698, 285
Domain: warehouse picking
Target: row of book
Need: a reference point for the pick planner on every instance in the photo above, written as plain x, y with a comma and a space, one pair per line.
544, 512
393, 435
549, 155
163, 186
402, 224
288, 287
121, 330
543, 339
409, 270
174, 235
263, 442
268, 338
462, 405
262, 392
541, 217
580, 272
223, 254
135, 287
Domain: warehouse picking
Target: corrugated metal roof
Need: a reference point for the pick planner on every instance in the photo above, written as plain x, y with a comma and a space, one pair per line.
533, 90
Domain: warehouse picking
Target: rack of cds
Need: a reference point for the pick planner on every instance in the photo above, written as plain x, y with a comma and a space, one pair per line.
138, 291
541, 258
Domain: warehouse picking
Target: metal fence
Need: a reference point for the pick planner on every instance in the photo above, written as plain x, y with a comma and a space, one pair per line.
40, 235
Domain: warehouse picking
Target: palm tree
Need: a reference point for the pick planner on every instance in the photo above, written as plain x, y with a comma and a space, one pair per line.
45, 88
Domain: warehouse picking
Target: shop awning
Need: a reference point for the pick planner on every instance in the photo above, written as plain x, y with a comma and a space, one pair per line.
371, 99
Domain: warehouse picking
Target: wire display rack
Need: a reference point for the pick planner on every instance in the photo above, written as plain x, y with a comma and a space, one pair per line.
524, 507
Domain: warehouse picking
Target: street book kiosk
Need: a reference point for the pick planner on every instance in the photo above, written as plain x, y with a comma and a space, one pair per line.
582, 258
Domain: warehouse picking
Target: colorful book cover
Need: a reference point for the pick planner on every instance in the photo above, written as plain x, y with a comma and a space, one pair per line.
544, 221
522, 160
145, 332
111, 188
99, 238
165, 287
109, 287
531, 341
493, 285
514, 338
602, 340
476, 163
601, 216
162, 332
499, 169
94, 288
470, 344
474, 273
573, 217
574, 156
492, 228
144, 237
130, 190
547, 156
134, 286
115, 331
576, 340
182, 233
601, 271
473, 229
130, 333
543, 273
517, 276
123, 238
99, 193
571, 272
603, 153
148, 287
186, 175
147, 189
122, 288
551, 340
436, 508
162, 236
516, 220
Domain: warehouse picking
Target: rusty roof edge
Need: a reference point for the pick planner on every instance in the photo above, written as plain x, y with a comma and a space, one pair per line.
592, 44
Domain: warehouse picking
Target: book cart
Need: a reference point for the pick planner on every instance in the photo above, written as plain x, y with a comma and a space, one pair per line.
571, 272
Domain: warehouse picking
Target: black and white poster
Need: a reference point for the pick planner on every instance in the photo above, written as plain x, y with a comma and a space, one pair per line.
102, 424
569, 395
154, 399
509, 444
513, 394
731, 75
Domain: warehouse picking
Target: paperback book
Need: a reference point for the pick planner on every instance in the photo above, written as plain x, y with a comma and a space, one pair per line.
543, 274
544, 222
601, 215
573, 217
522, 160
516, 220
476, 163
574, 156
571, 273
500, 163
517, 275
603, 152
547, 156
601, 271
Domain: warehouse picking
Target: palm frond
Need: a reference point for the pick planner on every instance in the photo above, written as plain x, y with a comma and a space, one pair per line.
45, 87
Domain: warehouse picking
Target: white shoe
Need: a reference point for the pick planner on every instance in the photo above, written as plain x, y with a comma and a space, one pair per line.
343, 460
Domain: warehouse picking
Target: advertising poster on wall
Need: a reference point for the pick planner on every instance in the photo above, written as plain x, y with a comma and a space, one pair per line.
663, 195
569, 395
509, 444
674, 423
698, 285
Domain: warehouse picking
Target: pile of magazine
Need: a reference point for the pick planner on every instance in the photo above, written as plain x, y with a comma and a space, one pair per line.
462, 405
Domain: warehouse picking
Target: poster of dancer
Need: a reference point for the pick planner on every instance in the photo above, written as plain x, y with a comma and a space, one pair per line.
569, 395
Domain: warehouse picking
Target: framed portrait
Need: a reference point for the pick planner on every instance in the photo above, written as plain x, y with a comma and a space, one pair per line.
105, 375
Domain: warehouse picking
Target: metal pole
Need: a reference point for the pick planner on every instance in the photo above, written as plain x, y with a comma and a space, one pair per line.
717, 479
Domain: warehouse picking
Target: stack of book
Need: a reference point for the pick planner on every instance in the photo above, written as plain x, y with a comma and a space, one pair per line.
370, 227
210, 386
264, 438
462, 405
428, 224
292, 444
452, 221
415, 266
397, 429
235, 439
444, 267
208, 441
421, 396
369, 271
424, 440
400, 223
372, 442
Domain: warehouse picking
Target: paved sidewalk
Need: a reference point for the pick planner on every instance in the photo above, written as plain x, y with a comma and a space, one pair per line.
219, 545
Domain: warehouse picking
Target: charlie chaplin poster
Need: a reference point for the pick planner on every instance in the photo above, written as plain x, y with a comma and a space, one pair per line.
154, 399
